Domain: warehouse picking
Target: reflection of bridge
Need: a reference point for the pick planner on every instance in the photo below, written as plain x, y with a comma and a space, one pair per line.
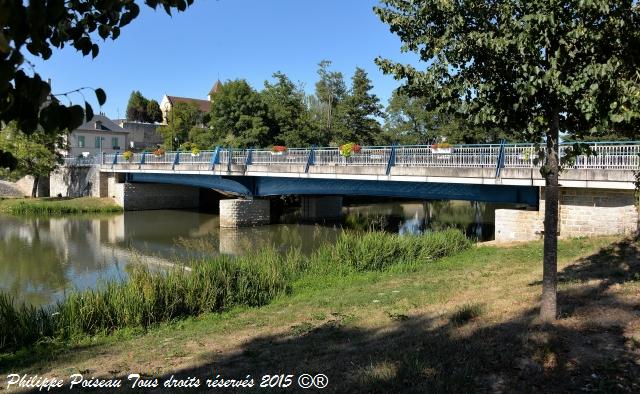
596, 188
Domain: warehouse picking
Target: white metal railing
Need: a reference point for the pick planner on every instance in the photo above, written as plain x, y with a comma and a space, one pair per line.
610, 156
290, 156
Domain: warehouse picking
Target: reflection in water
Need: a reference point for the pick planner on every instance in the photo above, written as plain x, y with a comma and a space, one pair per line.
40, 259
474, 218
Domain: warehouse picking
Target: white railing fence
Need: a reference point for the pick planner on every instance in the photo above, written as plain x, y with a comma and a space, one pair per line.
610, 156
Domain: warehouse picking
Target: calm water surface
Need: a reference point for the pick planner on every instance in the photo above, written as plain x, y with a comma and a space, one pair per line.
41, 259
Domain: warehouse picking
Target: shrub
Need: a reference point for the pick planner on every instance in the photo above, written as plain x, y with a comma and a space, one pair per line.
377, 251
128, 155
348, 149
278, 148
441, 145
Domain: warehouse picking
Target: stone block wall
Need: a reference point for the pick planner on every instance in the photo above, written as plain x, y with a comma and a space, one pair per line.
148, 196
244, 213
582, 212
518, 225
585, 212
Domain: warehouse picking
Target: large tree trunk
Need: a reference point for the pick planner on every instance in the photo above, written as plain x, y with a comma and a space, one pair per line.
34, 189
548, 303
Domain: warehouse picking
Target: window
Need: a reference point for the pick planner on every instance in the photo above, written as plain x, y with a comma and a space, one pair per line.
99, 142
114, 143
81, 141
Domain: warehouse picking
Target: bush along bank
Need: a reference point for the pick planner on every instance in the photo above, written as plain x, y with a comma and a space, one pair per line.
213, 285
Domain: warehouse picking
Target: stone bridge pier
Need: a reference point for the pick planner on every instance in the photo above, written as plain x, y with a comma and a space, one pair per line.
148, 196
582, 212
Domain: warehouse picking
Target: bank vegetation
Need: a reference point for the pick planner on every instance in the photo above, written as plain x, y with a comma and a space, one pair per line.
214, 284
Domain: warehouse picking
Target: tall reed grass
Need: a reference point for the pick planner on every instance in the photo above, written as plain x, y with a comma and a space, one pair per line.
58, 206
212, 285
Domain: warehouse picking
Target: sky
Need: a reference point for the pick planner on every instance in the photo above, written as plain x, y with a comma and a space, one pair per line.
184, 54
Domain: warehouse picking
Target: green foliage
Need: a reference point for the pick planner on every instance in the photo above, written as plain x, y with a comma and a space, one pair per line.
212, 285
287, 113
181, 121
519, 66
34, 154
330, 90
40, 26
137, 107
154, 113
349, 148
239, 117
140, 109
410, 122
532, 68
58, 206
377, 251
356, 113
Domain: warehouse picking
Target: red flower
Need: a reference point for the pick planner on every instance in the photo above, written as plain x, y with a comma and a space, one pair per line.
279, 148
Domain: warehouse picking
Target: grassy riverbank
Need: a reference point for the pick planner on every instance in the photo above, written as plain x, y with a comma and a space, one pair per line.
214, 285
47, 206
464, 323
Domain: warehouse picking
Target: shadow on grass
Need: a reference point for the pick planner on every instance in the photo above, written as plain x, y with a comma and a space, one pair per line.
589, 349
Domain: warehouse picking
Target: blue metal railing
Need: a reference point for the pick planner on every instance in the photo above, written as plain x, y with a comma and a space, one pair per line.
615, 155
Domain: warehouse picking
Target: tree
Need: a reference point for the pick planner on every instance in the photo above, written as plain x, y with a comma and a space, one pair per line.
409, 121
36, 154
140, 109
356, 114
154, 114
330, 89
534, 68
239, 117
137, 107
287, 113
182, 118
39, 26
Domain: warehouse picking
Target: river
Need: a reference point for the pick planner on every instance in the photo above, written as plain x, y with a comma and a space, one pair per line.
42, 258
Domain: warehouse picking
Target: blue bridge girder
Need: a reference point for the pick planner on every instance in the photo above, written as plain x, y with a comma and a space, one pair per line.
263, 186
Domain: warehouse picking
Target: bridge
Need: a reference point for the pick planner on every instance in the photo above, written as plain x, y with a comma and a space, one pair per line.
596, 188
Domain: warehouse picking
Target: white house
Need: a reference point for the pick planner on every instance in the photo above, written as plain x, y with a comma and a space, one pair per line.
96, 136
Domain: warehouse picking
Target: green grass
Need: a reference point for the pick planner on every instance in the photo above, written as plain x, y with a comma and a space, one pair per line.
49, 206
215, 285
448, 325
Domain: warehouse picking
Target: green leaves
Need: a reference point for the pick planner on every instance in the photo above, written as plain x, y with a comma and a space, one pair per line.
101, 96
513, 65
88, 111
41, 26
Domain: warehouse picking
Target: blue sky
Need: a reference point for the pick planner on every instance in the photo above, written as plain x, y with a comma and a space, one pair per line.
184, 54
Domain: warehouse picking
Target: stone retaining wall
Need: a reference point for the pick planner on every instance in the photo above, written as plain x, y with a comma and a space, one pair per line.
582, 212
78, 181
